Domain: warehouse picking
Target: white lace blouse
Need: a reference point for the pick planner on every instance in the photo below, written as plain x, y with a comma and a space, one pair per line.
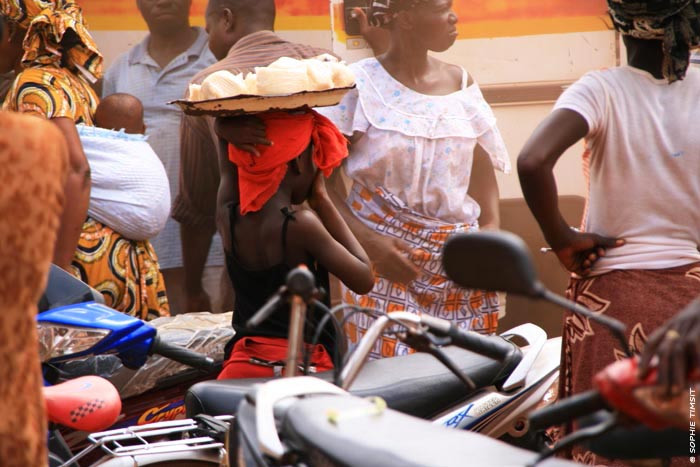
416, 146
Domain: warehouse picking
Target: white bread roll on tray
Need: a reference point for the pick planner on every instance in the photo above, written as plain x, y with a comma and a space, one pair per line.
251, 82
223, 84
195, 93
343, 77
283, 77
320, 75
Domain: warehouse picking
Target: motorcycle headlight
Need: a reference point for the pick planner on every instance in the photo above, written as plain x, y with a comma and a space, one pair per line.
57, 340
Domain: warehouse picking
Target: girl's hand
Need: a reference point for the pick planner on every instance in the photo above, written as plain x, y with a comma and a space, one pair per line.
319, 193
581, 250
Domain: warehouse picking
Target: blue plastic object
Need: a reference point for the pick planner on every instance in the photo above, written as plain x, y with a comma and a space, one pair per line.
130, 338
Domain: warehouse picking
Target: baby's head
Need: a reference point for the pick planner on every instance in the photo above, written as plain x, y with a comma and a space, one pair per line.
121, 111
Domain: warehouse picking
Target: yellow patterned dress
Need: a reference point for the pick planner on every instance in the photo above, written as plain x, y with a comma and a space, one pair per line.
126, 272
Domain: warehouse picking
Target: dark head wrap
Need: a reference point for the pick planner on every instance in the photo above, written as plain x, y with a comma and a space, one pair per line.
47, 22
383, 12
675, 22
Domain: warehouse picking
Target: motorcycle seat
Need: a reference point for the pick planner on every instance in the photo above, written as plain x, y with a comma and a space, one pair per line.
416, 384
87, 404
349, 431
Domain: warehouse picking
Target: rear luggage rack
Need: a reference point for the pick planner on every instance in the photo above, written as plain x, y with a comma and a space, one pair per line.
201, 433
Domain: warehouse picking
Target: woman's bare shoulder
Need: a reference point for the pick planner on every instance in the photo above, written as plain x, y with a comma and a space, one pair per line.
454, 72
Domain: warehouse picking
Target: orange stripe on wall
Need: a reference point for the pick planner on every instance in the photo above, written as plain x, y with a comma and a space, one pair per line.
515, 25
498, 10
468, 10
478, 18
128, 7
527, 27
134, 22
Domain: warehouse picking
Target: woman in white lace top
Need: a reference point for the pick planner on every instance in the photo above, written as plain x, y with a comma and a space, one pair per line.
424, 145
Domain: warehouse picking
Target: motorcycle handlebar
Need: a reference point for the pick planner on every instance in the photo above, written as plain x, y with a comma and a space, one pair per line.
488, 346
182, 355
567, 409
299, 282
268, 308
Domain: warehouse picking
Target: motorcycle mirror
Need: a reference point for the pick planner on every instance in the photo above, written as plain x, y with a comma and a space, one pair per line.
62, 289
301, 282
501, 262
493, 261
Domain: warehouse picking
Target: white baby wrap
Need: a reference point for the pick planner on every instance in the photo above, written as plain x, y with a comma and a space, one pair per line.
130, 191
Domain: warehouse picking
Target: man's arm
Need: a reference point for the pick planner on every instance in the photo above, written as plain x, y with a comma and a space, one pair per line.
195, 251
77, 195
195, 206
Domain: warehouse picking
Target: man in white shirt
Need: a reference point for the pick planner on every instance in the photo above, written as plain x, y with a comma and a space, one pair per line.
157, 71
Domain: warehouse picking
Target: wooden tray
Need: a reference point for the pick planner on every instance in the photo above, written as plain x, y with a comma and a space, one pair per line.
239, 105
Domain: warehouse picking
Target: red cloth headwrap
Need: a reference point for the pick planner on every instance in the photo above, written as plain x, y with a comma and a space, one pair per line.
259, 178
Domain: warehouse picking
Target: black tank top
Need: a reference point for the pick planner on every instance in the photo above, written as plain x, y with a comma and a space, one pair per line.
254, 287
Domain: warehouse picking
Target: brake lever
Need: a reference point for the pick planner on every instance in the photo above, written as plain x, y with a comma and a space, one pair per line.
576, 437
424, 341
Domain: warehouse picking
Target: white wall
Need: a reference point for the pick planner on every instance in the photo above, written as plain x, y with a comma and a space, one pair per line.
550, 57
517, 124
114, 43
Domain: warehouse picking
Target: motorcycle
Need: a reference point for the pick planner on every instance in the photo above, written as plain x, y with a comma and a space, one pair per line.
329, 427
91, 403
427, 333
308, 421
74, 324
504, 381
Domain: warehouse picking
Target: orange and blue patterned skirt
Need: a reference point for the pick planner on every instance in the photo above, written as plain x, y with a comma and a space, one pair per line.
432, 292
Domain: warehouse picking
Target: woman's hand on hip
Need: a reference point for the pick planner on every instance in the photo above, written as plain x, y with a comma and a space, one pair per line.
391, 259
581, 250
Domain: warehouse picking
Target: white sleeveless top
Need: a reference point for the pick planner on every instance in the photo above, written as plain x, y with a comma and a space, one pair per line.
418, 147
